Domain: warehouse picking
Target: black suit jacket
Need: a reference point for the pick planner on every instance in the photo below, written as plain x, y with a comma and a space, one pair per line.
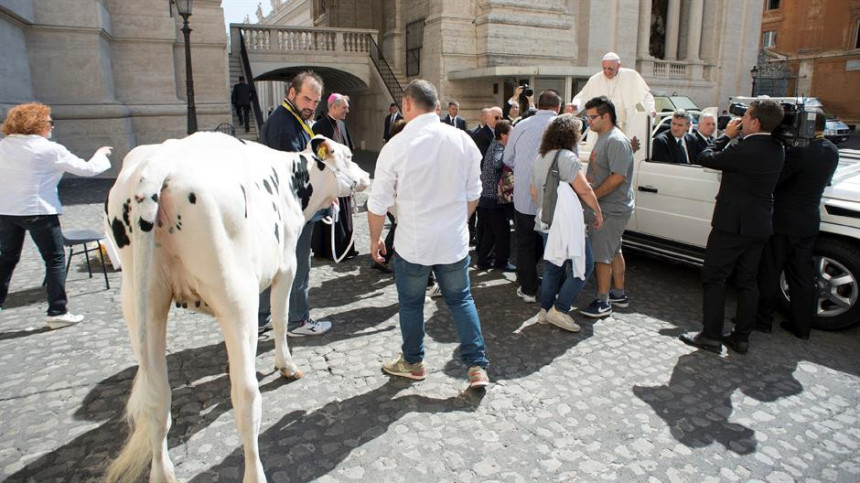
386, 133
797, 197
750, 169
666, 148
326, 127
483, 138
459, 124
241, 95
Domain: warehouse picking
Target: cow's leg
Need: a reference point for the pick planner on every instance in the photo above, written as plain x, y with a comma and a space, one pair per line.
239, 325
280, 302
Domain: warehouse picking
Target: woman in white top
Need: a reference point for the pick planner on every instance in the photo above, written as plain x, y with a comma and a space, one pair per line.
31, 167
562, 283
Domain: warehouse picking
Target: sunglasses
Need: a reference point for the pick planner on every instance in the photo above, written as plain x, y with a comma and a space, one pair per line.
51, 122
497, 117
591, 118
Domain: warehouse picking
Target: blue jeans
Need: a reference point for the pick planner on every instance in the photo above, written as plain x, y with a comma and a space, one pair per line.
299, 310
453, 280
560, 287
48, 237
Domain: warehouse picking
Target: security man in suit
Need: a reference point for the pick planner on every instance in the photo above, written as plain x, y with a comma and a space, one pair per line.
392, 117
741, 224
677, 145
796, 217
453, 118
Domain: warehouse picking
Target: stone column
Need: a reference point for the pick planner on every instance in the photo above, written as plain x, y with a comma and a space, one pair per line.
644, 40
694, 30
673, 24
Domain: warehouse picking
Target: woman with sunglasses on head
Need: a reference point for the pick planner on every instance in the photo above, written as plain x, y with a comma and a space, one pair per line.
32, 166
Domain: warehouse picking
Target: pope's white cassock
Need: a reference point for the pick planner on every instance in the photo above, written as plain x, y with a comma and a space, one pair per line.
625, 90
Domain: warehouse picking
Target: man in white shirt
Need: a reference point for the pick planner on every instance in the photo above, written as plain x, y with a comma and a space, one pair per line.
624, 87
429, 173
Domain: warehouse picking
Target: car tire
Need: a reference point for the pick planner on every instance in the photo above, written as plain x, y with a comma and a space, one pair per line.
837, 284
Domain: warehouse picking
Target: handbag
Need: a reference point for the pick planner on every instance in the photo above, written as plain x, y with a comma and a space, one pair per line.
550, 195
505, 186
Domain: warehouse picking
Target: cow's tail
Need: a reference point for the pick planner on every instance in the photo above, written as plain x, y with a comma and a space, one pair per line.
148, 396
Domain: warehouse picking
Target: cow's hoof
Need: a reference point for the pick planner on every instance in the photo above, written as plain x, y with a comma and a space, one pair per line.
291, 375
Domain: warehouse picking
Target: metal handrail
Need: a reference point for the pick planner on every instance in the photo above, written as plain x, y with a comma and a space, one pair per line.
246, 68
388, 77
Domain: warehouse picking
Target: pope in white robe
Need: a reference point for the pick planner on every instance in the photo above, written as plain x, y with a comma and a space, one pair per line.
624, 87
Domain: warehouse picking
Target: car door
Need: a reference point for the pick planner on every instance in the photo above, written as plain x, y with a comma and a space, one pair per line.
675, 201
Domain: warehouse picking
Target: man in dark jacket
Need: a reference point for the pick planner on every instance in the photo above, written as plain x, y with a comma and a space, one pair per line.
392, 117
333, 126
741, 224
677, 145
287, 130
241, 99
796, 218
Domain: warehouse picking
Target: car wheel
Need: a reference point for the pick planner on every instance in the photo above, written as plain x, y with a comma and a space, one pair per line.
837, 285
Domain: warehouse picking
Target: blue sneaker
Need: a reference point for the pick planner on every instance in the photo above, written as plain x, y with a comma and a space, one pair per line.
598, 309
618, 300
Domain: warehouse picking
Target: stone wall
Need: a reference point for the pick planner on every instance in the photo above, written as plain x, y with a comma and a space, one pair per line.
113, 71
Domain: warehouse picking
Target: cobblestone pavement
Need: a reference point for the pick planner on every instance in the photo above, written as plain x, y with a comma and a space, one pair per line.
622, 400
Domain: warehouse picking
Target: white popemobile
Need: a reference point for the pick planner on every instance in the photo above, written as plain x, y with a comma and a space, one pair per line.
675, 202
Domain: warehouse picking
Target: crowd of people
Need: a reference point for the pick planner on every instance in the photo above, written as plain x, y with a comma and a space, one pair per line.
446, 188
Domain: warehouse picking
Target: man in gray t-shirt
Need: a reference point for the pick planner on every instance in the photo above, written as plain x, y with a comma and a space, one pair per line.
610, 172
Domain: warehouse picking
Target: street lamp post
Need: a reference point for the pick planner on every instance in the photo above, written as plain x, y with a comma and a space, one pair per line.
183, 7
753, 73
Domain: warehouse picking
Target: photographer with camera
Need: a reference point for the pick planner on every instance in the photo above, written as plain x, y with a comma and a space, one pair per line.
741, 224
796, 218
522, 101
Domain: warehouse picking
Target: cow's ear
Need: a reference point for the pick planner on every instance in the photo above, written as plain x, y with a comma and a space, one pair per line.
320, 146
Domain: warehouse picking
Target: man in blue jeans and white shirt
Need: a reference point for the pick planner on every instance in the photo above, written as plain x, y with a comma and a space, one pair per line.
429, 173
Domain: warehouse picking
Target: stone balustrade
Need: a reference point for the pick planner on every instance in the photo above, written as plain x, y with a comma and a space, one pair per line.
675, 70
279, 39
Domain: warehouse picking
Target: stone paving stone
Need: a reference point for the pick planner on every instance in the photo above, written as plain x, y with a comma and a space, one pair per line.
622, 400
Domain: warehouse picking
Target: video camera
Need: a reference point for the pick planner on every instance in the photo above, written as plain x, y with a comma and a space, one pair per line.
798, 122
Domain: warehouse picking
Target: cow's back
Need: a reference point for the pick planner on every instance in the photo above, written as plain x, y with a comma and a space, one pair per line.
215, 209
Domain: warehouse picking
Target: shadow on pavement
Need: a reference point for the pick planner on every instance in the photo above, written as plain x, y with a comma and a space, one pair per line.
201, 394
303, 447
697, 403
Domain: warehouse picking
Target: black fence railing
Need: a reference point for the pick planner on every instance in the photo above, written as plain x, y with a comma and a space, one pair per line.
388, 77
246, 68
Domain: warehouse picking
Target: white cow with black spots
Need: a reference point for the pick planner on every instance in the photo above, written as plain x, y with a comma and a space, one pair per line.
208, 222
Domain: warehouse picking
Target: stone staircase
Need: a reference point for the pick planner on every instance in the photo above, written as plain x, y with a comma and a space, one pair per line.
235, 72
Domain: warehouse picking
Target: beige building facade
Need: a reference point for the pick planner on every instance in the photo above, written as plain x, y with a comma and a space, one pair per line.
478, 51
113, 71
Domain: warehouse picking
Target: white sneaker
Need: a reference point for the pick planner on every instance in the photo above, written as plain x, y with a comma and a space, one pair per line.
63, 320
434, 291
542, 317
311, 327
526, 298
561, 320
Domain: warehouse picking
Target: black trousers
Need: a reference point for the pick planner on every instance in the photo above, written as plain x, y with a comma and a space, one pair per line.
243, 112
728, 253
495, 235
48, 236
389, 238
793, 255
529, 252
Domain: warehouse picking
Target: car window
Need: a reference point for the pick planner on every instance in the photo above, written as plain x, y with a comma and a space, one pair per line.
662, 104
683, 102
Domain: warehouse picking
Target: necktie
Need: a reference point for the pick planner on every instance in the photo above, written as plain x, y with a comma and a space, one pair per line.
683, 148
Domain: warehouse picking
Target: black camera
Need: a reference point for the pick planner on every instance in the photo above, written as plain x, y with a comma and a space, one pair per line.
527, 91
798, 122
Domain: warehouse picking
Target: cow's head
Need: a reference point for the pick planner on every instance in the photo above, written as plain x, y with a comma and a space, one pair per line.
338, 159
331, 174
